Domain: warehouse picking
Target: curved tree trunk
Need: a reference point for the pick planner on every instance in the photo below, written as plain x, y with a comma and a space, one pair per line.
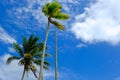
43, 54
56, 55
23, 75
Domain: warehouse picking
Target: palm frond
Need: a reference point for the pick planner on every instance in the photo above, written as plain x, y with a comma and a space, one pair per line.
57, 24
45, 9
40, 45
40, 55
34, 51
34, 69
31, 38
38, 62
46, 67
10, 59
54, 6
18, 48
46, 63
21, 62
51, 8
30, 43
25, 43
61, 16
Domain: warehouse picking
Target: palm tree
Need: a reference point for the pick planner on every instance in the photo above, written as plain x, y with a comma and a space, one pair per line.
52, 11
29, 55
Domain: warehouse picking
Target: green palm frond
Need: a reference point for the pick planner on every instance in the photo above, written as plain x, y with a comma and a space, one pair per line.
61, 16
45, 9
40, 55
46, 67
30, 43
54, 6
46, 55
34, 51
57, 24
50, 8
25, 42
46, 63
55, 13
37, 48
21, 62
18, 48
31, 38
33, 41
33, 67
10, 59
38, 62
40, 45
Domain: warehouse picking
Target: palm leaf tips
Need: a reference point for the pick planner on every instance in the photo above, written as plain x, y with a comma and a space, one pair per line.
10, 59
18, 48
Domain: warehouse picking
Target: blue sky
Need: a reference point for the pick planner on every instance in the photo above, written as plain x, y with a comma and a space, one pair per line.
88, 48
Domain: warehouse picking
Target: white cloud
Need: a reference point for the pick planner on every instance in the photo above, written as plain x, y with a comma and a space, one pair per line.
4, 37
14, 71
81, 45
10, 49
99, 23
11, 71
117, 78
34, 9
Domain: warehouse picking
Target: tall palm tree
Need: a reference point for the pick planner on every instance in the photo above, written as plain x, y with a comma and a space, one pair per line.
29, 55
56, 52
52, 11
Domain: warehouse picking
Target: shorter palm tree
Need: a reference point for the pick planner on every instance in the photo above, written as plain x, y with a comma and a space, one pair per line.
29, 55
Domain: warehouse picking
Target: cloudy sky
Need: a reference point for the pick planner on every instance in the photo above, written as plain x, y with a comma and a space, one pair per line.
89, 48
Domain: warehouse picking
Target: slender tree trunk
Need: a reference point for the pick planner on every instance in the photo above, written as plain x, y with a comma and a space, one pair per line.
43, 54
56, 55
23, 75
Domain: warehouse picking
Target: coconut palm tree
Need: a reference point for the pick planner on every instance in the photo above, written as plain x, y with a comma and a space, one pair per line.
52, 11
29, 55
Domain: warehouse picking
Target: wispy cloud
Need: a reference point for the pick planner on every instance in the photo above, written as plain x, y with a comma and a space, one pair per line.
14, 71
10, 49
33, 10
67, 74
117, 78
99, 23
6, 38
81, 45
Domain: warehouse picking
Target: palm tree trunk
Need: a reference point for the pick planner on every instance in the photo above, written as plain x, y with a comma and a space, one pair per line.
56, 55
23, 75
43, 54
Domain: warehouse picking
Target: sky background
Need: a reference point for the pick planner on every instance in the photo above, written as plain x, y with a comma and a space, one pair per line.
89, 48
